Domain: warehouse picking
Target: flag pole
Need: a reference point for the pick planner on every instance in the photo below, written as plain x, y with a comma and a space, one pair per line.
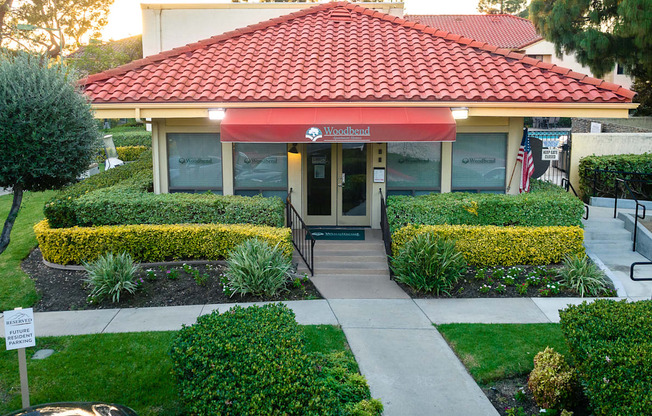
509, 185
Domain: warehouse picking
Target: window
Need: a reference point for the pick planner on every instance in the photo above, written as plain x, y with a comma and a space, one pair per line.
413, 168
260, 168
194, 162
479, 162
620, 70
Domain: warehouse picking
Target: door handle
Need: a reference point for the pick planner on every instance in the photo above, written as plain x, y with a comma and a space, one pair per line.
343, 178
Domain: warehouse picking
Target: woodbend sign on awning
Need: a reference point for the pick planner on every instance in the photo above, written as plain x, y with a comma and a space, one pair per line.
338, 125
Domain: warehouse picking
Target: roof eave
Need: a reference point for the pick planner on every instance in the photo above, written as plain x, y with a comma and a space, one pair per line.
476, 109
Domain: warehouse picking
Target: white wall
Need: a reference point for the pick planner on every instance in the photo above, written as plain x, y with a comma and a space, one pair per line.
547, 49
600, 144
167, 26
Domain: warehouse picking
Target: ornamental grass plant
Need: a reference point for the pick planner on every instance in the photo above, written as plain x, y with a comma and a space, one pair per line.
111, 275
257, 268
430, 264
581, 275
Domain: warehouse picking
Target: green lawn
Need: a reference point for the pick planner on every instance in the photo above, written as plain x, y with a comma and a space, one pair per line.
16, 289
495, 351
132, 369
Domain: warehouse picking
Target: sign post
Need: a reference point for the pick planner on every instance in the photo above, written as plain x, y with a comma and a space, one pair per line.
19, 334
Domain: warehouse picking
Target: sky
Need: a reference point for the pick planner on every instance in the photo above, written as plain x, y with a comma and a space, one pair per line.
125, 20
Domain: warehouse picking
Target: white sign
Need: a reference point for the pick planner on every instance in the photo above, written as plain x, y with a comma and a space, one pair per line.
19, 329
379, 175
549, 154
596, 127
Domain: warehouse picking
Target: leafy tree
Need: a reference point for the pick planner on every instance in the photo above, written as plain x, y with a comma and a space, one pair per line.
503, 6
643, 89
53, 26
47, 131
601, 33
97, 57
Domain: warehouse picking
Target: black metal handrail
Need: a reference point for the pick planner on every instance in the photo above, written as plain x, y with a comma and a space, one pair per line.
301, 236
565, 183
639, 263
384, 225
643, 177
638, 204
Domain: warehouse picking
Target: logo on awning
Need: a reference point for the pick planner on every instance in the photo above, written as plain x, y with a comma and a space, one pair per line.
313, 133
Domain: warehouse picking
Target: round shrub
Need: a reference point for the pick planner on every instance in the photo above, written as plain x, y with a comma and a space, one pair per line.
428, 263
257, 268
110, 275
253, 362
552, 381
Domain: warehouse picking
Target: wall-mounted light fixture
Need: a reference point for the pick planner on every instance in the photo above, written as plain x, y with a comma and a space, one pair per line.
216, 114
294, 149
460, 113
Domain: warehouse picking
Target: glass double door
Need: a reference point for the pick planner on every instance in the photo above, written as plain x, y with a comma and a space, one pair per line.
336, 189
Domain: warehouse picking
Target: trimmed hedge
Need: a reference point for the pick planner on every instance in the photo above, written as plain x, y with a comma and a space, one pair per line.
132, 138
130, 153
550, 207
485, 246
122, 196
152, 243
113, 206
611, 344
253, 362
605, 182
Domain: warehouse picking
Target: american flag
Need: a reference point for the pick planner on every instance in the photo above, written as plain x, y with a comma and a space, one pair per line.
527, 162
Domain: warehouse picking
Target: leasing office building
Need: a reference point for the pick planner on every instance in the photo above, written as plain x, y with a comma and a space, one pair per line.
337, 103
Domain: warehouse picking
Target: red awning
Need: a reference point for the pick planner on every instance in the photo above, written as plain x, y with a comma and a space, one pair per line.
338, 125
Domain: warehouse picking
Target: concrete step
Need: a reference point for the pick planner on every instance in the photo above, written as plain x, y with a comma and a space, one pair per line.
358, 265
350, 253
607, 235
348, 245
353, 258
351, 273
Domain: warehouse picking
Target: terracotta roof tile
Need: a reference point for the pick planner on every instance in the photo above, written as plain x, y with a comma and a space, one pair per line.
502, 30
309, 56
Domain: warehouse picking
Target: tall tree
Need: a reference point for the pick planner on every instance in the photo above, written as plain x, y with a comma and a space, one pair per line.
600, 33
502, 6
97, 57
47, 132
53, 26
5, 6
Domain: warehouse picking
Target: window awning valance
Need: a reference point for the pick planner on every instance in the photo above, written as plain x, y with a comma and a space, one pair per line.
338, 125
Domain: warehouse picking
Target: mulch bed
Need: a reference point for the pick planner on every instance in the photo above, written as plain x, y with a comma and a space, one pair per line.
470, 286
63, 290
513, 393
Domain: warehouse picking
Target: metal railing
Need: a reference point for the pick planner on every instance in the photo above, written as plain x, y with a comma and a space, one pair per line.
301, 237
601, 182
384, 225
565, 183
639, 263
638, 204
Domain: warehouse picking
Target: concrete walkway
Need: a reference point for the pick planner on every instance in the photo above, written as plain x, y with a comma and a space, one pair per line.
407, 363
609, 244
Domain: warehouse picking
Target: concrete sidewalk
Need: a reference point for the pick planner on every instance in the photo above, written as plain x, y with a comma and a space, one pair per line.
407, 363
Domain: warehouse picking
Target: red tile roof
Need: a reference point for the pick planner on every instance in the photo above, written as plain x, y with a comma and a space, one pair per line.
343, 52
503, 30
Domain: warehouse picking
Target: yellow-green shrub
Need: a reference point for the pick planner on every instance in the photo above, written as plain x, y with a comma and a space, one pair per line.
505, 246
130, 153
151, 243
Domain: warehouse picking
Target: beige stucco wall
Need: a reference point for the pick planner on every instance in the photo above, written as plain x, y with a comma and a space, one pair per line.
600, 144
547, 49
167, 26
160, 127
